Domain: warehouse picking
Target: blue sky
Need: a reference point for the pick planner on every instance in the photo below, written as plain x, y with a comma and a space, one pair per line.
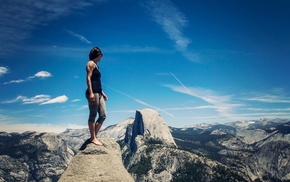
201, 61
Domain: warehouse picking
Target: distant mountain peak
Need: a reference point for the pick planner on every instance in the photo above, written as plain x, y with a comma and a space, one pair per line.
148, 124
117, 131
153, 125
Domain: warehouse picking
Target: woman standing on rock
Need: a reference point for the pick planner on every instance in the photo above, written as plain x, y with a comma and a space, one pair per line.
95, 95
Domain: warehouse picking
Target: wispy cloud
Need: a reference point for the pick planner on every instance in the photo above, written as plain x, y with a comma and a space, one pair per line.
269, 109
59, 99
3, 70
242, 117
270, 99
255, 115
80, 37
122, 111
136, 49
23, 127
40, 99
76, 100
33, 100
172, 21
228, 106
222, 103
83, 107
190, 108
40, 74
4, 118
140, 101
17, 27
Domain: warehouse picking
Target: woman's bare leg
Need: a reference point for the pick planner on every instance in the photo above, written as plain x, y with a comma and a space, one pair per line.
93, 127
97, 128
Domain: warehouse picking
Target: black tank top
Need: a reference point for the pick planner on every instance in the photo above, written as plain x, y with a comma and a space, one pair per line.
96, 81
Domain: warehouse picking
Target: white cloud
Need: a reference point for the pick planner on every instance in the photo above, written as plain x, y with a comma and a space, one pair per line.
76, 100
40, 99
80, 37
17, 27
3, 70
59, 99
40, 74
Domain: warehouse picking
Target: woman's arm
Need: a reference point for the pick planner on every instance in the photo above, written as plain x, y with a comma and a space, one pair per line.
89, 69
104, 95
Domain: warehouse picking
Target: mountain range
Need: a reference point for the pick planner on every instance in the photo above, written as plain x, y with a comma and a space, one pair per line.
152, 151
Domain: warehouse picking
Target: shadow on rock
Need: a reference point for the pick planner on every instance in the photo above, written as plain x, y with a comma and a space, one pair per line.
84, 146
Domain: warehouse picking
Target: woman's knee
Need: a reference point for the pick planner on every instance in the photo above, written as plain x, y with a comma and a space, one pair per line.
101, 118
92, 117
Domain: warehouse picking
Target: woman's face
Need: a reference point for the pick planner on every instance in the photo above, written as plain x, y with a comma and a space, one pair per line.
98, 59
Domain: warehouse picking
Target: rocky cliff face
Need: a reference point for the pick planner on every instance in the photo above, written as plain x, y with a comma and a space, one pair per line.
150, 154
147, 124
151, 151
32, 156
158, 162
75, 138
258, 151
240, 151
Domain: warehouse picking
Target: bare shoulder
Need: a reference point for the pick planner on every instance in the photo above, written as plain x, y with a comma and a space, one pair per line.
91, 65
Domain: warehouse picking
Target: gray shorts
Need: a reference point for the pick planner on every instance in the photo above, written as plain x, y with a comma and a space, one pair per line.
97, 106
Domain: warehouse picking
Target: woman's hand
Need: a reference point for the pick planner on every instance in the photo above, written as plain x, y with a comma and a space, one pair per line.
92, 97
105, 97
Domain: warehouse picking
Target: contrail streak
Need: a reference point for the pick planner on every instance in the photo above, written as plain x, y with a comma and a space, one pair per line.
181, 83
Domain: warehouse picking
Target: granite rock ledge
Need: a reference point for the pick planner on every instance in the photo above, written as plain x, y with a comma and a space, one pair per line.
97, 163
